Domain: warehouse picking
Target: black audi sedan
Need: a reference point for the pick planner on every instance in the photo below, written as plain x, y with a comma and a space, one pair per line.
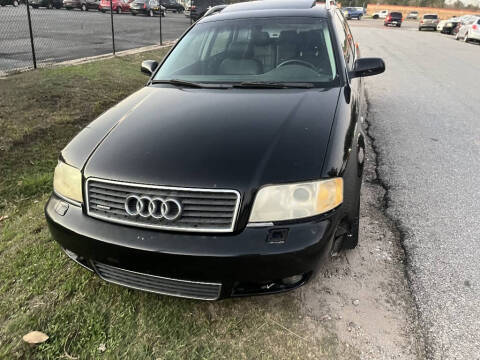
235, 170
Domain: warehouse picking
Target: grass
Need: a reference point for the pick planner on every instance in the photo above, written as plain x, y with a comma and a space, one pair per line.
40, 289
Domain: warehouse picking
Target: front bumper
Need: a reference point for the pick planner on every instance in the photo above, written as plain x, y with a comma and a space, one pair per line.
243, 263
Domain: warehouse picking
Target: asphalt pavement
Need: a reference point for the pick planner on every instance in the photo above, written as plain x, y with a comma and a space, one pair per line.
62, 34
424, 118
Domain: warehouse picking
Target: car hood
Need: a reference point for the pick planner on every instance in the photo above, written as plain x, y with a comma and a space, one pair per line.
233, 139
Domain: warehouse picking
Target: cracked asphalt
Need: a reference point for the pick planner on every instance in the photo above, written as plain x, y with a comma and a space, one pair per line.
424, 120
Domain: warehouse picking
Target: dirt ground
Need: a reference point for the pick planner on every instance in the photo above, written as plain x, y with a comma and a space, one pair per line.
362, 295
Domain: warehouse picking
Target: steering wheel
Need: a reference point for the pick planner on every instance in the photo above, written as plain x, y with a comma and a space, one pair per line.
299, 62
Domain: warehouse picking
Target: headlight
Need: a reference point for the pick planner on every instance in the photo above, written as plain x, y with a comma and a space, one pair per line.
67, 182
294, 201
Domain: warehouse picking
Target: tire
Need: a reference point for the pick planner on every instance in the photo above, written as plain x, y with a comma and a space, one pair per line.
83, 7
150, 13
133, 14
419, 29
34, 6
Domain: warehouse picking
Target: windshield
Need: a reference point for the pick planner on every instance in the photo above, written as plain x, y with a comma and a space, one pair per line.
286, 50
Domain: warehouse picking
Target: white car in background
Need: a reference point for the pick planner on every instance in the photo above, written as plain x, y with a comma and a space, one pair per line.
380, 15
441, 24
470, 30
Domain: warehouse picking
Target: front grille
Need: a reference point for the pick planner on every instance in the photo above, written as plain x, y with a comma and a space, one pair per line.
203, 210
157, 284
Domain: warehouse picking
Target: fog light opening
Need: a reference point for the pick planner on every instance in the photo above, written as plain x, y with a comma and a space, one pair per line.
78, 259
292, 280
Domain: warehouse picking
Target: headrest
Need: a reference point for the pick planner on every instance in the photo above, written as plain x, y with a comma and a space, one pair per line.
237, 49
288, 36
260, 38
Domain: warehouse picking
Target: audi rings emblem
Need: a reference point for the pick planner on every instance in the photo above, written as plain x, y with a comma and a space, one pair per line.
157, 207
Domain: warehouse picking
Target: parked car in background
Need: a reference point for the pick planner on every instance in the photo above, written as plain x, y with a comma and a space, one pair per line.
429, 21
470, 30
394, 18
118, 6
450, 25
83, 5
353, 13
172, 5
380, 15
49, 4
412, 15
9, 2
462, 20
147, 7
198, 8
441, 24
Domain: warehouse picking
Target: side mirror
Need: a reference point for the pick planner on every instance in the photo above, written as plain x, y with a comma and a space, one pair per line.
367, 67
149, 66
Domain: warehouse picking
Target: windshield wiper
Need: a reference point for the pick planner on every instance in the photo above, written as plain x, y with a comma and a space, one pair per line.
177, 82
273, 85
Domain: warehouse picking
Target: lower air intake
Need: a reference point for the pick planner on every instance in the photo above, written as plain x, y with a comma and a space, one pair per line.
157, 284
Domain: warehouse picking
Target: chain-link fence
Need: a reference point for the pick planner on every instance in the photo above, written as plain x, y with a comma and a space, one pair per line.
48, 31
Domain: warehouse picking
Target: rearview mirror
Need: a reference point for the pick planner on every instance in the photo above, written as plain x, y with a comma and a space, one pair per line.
367, 67
149, 66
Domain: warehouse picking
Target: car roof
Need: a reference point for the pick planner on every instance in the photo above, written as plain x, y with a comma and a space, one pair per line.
269, 8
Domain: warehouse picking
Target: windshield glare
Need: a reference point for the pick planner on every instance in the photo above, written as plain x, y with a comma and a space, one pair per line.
286, 50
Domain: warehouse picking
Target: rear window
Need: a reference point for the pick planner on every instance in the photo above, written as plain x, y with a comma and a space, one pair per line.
430, 16
397, 14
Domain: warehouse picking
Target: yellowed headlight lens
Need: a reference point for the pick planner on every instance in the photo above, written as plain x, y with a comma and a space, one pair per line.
294, 201
67, 182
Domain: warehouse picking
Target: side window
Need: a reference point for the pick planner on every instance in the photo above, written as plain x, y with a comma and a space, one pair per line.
344, 40
350, 38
